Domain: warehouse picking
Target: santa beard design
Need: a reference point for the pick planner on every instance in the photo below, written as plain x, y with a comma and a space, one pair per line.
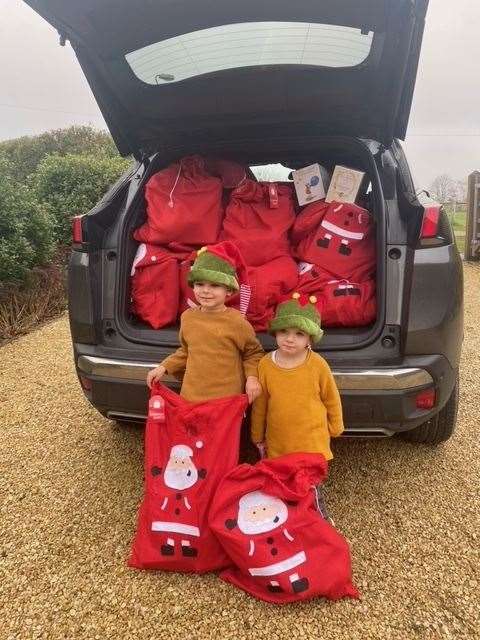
259, 512
180, 478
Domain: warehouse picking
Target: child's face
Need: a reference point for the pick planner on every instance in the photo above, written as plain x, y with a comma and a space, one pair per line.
210, 296
292, 342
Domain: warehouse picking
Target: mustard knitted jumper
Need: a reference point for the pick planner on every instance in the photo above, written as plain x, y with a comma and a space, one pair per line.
218, 351
300, 408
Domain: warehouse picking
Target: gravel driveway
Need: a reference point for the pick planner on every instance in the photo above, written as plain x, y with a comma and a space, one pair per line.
71, 482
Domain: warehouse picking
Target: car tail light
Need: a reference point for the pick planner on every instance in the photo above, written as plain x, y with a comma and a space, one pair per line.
426, 399
431, 219
77, 232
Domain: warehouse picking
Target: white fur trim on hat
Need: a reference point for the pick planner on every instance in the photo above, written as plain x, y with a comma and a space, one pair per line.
181, 451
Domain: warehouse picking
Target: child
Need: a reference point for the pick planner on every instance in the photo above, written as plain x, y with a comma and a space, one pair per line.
219, 352
300, 408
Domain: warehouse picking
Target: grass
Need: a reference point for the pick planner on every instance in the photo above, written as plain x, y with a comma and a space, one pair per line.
458, 221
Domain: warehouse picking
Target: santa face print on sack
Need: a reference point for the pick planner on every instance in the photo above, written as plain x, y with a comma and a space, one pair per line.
180, 522
259, 514
180, 472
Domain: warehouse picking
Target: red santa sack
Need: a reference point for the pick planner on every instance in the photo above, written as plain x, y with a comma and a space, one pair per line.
258, 218
184, 204
269, 284
189, 447
282, 549
338, 237
341, 303
155, 286
348, 304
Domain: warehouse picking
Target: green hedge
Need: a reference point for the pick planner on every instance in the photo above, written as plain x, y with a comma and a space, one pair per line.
26, 229
71, 185
26, 153
45, 180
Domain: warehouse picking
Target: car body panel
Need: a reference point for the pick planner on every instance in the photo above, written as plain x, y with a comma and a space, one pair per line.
371, 99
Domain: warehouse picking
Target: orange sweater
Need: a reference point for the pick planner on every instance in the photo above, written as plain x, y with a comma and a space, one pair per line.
218, 352
300, 409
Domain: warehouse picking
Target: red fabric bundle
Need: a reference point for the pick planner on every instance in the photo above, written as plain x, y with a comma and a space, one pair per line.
189, 447
283, 550
230, 173
338, 237
311, 278
341, 303
155, 286
348, 304
184, 204
258, 219
269, 284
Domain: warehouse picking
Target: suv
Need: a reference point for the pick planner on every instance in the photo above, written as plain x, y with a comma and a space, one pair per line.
268, 82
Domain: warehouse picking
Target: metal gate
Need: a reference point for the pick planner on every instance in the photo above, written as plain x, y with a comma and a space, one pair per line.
472, 233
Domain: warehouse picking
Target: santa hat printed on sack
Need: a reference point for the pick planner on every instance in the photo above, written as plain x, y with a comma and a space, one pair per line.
222, 263
181, 451
299, 312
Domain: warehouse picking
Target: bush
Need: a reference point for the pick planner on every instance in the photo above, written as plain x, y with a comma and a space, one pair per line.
23, 307
26, 229
71, 185
25, 154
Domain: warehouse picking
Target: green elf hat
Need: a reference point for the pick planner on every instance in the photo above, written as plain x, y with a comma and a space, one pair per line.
298, 312
222, 263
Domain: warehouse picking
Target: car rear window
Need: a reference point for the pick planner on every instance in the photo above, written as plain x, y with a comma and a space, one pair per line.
249, 44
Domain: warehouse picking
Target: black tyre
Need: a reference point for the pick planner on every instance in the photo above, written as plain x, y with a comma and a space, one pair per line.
441, 427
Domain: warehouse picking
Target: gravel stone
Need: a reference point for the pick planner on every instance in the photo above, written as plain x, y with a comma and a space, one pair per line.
71, 482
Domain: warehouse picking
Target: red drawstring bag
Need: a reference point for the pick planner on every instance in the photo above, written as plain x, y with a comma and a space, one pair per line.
312, 278
341, 303
230, 173
338, 237
184, 204
189, 447
155, 286
269, 284
348, 304
258, 218
187, 299
282, 549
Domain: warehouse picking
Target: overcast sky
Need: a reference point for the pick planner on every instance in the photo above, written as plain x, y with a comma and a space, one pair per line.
42, 86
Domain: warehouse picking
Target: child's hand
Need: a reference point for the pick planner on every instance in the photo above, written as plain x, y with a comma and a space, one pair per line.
253, 388
262, 449
155, 375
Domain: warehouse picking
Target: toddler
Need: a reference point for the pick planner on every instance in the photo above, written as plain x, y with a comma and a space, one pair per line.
300, 408
219, 352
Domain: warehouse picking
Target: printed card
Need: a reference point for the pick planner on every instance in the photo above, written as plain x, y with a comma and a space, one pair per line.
308, 184
345, 185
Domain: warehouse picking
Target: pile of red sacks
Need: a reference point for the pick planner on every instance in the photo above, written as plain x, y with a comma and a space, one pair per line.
258, 524
326, 249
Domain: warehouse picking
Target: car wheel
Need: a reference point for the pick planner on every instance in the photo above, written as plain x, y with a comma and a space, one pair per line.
439, 428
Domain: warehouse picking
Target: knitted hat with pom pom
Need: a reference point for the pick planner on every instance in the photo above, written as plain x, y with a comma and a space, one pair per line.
298, 312
222, 263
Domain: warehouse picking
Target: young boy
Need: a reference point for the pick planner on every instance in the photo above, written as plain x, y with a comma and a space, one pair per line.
219, 352
300, 407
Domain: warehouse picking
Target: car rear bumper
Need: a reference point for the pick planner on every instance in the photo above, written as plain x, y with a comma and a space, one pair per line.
376, 401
